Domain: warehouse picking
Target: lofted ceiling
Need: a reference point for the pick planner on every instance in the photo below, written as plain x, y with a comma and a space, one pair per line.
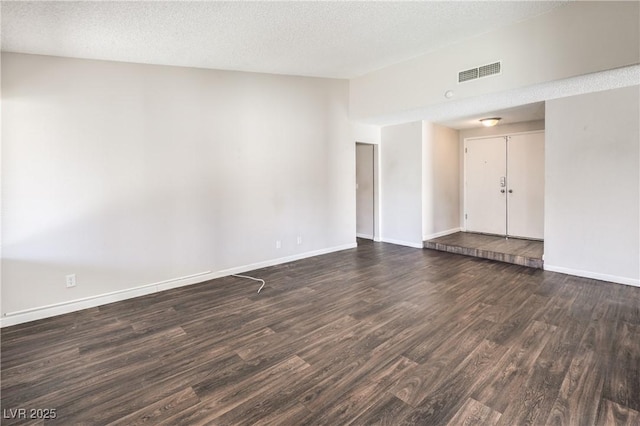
323, 39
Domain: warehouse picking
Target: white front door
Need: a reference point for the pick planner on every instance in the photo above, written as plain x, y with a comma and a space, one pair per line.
525, 183
504, 185
485, 185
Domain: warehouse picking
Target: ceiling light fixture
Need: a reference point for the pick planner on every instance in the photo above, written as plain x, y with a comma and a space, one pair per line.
490, 122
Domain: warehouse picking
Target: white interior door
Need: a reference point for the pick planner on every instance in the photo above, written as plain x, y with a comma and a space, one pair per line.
485, 185
525, 183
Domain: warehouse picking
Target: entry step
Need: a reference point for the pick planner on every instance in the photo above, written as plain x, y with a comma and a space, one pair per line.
510, 250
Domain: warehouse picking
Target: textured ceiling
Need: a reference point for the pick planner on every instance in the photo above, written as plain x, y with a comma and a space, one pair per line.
518, 114
324, 39
519, 104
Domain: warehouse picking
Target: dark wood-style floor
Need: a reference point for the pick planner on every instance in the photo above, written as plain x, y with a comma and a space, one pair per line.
381, 334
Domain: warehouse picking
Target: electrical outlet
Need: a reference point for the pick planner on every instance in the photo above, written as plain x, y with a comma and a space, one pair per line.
299, 240
71, 280
278, 244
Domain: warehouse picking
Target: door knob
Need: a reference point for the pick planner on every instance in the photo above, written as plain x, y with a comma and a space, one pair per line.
511, 191
502, 191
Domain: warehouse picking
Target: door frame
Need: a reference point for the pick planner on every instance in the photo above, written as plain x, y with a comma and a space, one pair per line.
376, 190
463, 226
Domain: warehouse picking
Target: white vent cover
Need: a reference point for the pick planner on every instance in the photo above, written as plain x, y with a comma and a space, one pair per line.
479, 72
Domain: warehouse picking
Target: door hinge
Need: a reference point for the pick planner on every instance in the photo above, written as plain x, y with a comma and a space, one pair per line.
465, 150
465, 216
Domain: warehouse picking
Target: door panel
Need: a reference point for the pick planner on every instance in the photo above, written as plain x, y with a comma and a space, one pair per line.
485, 166
525, 196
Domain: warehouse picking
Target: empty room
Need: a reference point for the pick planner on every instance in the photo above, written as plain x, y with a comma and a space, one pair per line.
320, 213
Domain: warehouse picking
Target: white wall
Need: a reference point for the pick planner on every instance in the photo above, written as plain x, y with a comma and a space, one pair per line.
592, 187
401, 184
440, 181
575, 39
128, 174
365, 133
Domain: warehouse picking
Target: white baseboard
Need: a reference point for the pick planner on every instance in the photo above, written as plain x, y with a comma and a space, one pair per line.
365, 236
19, 317
441, 234
282, 260
594, 275
402, 243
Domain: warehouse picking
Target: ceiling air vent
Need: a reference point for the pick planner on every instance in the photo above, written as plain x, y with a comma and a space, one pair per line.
479, 72
467, 75
490, 69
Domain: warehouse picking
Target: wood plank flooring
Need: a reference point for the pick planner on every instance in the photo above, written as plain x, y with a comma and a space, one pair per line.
510, 250
381, 334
